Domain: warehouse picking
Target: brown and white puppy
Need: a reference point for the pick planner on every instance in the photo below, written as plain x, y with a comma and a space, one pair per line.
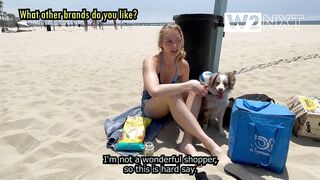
216, 101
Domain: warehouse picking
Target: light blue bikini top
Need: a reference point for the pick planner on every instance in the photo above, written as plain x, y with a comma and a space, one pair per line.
146, 95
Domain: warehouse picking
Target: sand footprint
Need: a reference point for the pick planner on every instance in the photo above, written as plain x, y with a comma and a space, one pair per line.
57, 128
49, 114
93, 89
115, 96
14, 171
60, 167
22, 142
68, 102
17, 124
37, 103
93, 113
117, 106
73, 133
57, 91
68, 147
39, 154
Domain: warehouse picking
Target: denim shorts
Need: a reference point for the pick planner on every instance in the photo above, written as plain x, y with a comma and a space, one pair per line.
145, 96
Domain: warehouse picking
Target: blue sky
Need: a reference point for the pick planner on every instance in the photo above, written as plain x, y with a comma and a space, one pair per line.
163, 10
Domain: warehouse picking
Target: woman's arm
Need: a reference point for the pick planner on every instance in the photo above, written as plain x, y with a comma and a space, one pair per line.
184, 71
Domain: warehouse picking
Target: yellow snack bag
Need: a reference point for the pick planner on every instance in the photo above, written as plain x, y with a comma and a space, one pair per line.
133, 134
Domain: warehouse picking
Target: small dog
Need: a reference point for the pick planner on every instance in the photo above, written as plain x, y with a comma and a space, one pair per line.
216, 101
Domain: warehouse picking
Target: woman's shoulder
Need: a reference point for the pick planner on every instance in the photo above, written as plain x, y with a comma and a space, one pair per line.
183, 64
152, 58
183, 70
151, 61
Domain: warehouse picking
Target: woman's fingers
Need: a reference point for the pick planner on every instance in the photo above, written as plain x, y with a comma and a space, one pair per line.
205, 90
199, 89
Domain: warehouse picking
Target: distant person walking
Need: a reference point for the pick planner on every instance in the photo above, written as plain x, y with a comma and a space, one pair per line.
101, 25
95, 23
115, 24
85, 25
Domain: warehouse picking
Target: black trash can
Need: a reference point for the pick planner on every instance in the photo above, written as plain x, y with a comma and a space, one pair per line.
199, 31
48, 27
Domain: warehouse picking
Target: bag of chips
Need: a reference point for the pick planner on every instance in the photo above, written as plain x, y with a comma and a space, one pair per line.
133, 134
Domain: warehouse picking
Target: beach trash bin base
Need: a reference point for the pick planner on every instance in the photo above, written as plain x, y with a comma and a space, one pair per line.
48, 27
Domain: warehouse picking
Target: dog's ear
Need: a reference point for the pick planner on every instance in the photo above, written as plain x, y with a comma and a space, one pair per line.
231, 79
212, 79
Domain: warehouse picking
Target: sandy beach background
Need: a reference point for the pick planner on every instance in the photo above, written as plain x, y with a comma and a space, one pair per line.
57, 88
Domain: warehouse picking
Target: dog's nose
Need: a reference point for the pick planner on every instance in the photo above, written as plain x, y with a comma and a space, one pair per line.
220, 89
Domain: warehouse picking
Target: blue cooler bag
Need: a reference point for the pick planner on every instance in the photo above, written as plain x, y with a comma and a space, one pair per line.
260, 133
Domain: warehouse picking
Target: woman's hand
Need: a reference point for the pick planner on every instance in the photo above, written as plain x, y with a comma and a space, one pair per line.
198, 88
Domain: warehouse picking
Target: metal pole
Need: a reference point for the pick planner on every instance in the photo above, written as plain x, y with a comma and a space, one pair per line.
1, 12
54, 28
220, 8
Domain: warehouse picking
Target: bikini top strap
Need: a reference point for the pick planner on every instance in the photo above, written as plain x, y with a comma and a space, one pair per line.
161, 64
175, 78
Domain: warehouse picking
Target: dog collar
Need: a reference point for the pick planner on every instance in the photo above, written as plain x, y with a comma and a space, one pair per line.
209, 93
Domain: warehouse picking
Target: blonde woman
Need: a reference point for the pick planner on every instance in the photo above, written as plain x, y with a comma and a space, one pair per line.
167, 89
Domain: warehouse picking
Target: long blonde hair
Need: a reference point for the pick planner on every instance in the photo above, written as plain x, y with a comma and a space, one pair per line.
176, 27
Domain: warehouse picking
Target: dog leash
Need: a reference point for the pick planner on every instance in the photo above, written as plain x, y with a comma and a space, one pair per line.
280, 61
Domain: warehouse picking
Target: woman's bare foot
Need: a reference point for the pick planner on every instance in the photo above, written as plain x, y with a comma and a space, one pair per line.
222, 157
186, 145
188, 149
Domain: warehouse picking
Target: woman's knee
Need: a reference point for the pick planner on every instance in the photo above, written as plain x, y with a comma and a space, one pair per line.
173, 99
193, 95
155, 108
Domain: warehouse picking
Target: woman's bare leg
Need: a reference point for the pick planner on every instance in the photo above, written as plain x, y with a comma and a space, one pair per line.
193, 103
184, 118
189, 123
160, 104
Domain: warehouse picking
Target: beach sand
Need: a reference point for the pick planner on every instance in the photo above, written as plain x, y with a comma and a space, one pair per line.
57, 88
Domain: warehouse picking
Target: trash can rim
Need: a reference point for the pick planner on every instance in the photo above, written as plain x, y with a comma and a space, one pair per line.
196, 17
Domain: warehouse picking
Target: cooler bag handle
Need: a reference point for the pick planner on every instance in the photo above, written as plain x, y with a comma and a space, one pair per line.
255, 105
266, 143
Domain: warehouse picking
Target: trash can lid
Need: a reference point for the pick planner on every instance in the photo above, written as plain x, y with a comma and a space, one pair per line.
198, 17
